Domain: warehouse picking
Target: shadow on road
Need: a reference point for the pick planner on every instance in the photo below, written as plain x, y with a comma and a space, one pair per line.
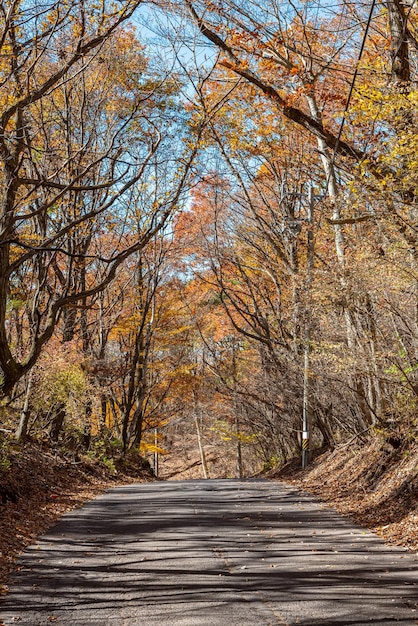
175, 547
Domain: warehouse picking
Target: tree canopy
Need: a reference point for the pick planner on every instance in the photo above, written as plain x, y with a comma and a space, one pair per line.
208, 223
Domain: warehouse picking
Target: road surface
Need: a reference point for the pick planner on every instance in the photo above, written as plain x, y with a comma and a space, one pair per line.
211, 553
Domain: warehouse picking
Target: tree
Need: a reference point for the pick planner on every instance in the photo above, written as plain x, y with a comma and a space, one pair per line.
279, 50
79, 130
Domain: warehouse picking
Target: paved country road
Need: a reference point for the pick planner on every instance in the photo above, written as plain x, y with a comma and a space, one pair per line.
213, 553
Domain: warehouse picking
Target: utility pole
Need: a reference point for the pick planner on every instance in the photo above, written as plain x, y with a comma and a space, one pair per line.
156, 452
236, 409
307, 416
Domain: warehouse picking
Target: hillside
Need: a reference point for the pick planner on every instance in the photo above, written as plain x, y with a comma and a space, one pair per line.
39, 483
376, 485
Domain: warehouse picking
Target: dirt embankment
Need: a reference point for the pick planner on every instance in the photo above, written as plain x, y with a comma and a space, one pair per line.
38, 484
376, 485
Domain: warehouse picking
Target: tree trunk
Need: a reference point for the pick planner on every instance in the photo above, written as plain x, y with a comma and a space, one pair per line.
239, 446
25, 415
57, 423
201, 449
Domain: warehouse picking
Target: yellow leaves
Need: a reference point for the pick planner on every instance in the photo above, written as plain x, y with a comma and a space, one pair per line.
125, 326
147, 447
371, 101
381, 102
6, 51
30, 238
27, 239
64, 383
227, 432
14, 254
388, 114
184, 370
52, 17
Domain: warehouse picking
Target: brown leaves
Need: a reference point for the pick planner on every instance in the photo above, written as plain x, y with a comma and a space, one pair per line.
384, 501
46, 485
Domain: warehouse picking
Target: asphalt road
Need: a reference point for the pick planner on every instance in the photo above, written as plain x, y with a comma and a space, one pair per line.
212, 553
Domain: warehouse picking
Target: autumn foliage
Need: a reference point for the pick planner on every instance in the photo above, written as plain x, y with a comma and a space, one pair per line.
211, 247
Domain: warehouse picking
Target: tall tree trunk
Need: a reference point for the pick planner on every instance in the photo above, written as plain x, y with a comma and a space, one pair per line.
354, 332
25, 414
397, 14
